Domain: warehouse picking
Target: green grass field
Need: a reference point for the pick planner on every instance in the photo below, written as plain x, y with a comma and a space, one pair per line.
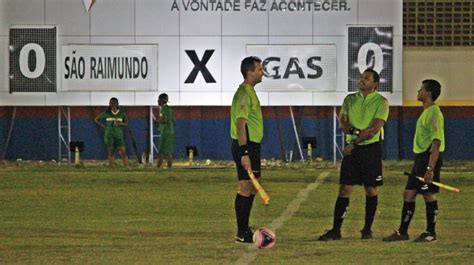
52, 214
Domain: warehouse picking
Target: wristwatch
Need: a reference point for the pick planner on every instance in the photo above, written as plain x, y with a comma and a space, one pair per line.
357, 132
428, 168
354, 131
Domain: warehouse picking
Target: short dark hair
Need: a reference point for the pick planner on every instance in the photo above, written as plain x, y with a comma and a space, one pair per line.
114, 99
248, 64
163, 96
375, 75
432, 86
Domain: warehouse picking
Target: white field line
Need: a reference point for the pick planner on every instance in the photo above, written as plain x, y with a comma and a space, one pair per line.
290, 210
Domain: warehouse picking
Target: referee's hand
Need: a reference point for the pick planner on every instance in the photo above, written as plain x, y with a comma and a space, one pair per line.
348, 149
428, 177
245, 160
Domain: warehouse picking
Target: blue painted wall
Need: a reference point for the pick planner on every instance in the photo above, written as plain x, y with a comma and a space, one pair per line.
37, 138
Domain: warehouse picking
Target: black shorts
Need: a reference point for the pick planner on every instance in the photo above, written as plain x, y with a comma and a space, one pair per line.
419, 169
363, 166
254, 154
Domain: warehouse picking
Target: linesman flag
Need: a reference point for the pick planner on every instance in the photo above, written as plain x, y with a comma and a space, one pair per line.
88, 4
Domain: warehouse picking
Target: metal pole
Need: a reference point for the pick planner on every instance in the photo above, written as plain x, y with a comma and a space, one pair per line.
152, 135
280, 137
9, 134
336, 147
296, 135
68, 133
334, 139
67, 115
150, 155
59, 134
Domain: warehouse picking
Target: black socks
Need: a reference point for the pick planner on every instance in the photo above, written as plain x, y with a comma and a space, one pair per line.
370, 210
342, 204
407, 214
243, 206
431, 214
409, 210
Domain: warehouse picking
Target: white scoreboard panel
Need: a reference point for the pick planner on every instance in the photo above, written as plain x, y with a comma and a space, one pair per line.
306, 46
110, 67
293, 68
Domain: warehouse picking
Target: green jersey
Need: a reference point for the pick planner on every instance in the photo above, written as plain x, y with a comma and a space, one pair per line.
246, 105
429, 126
167, 127
110, 118
362, 111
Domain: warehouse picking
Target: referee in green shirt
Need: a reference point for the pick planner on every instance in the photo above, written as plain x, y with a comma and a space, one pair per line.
428, 145
246, 131
362, 118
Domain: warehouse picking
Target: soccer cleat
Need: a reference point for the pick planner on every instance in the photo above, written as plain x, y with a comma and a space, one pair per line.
330, 235
244, 236
425, 237
396, 236
365, 234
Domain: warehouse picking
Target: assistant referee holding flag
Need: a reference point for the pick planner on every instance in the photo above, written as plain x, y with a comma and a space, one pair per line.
362, 118
246, 131
428, 145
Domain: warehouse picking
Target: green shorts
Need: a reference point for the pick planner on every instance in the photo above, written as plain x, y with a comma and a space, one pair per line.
166, 144
114, 139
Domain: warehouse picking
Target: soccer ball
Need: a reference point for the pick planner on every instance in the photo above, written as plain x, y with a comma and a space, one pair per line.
264, 238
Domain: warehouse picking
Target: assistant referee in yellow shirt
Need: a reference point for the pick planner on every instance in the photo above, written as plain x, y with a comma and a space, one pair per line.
246, 131
428, 146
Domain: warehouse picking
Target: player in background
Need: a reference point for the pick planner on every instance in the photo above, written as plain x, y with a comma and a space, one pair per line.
246, 131
428, 145
166, 122
362, 117
113, 121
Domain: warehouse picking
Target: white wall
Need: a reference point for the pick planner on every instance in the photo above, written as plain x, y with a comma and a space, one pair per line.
228, 32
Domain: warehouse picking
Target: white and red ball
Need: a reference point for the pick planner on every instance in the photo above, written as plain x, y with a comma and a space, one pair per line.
264, 238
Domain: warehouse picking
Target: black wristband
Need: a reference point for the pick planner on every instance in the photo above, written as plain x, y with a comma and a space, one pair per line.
354, 131
243, 150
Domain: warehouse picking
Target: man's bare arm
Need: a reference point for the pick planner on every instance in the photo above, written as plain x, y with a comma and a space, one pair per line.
344, 124
369, 132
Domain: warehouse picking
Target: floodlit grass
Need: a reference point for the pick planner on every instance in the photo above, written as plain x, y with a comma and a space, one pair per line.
52, 214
